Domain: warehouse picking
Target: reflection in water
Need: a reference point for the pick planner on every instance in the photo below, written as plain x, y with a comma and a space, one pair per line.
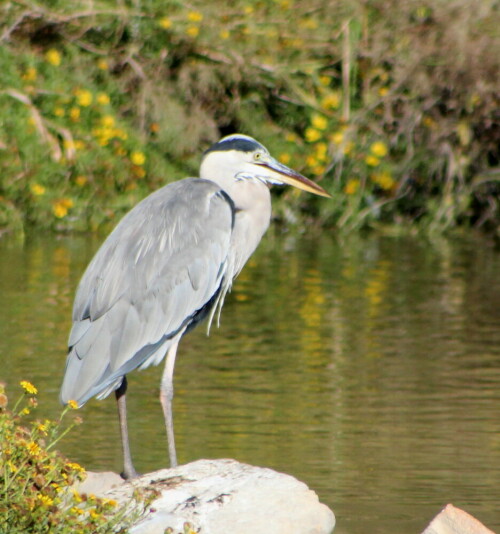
369, 369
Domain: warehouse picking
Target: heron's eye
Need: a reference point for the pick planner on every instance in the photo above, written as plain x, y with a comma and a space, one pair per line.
257, 156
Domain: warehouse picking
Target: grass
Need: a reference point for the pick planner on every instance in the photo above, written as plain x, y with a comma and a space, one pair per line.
392, 106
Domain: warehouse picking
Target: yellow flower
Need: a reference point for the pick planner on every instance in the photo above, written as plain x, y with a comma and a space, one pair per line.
324, 80
372, 161
84, 97
73, 404
69, 144
60, 208
30, 74
53, 57
42, 428
25, 411
321, 150
318, 169
312, 134
103, 99
284, 158
74, 114
75, 467
102, 64
224, 34
165, 23
28, 387
59, 111
81, 180
379, 148
193, 31
383, 91
76, 496
137, 158
383, 179
33, 448
311, 161
351, 186
319, 122
13, 468
331, 101
37, 189
248, 10
337, 137
108, 121
195, 16
45, 500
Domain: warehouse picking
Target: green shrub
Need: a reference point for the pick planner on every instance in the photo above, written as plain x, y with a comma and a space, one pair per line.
36, 494
394, 106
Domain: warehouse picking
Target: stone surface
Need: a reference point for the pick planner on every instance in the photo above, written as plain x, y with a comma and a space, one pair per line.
219, 496
453, 520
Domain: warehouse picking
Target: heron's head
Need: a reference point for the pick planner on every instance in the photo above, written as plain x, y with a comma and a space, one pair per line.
240, 157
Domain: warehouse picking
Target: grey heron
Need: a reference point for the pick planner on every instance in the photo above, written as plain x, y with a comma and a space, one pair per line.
166, 266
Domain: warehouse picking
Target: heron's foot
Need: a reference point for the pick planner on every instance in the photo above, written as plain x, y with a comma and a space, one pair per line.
129, 473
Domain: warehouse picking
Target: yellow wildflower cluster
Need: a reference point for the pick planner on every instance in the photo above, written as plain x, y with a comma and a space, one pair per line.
378, 150
61, 206
83, 97
45, 500
75, 467
107, 131
194, 17
330, 101
37, 189
383, 179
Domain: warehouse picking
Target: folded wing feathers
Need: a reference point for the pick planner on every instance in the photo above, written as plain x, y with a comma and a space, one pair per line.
162, 263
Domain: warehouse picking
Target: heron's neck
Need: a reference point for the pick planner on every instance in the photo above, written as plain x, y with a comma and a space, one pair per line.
252, 200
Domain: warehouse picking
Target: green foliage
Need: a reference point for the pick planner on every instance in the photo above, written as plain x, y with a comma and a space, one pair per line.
35, 480
392, 105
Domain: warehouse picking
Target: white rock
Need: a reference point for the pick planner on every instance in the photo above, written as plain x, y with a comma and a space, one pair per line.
453, 520
222, 496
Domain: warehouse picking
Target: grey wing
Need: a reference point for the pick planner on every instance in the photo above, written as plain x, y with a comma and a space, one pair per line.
151, 278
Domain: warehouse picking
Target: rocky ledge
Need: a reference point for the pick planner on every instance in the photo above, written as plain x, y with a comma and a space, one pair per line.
217, 496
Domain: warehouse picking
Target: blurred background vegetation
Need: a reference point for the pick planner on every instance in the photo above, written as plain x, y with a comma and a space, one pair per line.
393, 106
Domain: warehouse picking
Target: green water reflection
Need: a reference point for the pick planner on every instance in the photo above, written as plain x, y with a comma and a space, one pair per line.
370, 369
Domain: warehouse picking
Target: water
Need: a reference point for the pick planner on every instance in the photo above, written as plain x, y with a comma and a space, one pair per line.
368, 368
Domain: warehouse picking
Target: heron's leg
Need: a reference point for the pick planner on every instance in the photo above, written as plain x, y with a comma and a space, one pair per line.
166, 397
128, 467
